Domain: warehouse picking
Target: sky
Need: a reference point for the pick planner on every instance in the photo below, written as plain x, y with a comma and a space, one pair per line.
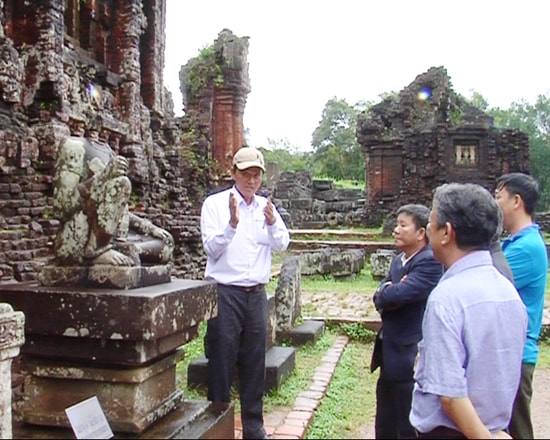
303, 53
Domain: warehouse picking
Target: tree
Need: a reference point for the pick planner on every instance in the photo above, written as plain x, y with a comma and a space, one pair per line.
287, 156
479, 101
535, 121
336, 152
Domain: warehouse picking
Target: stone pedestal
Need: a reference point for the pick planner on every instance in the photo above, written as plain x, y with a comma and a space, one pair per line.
132, 399
121, 346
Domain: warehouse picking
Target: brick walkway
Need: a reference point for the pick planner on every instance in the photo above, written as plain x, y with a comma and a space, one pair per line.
293, 423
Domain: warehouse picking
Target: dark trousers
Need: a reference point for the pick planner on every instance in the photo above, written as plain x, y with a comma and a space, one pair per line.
235, 340
521, 425
393, 405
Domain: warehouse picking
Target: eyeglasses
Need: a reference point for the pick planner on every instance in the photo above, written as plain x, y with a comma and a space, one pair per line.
249, 174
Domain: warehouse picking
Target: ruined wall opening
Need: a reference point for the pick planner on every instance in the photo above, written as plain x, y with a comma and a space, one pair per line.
20, 17
87, 25
466, 153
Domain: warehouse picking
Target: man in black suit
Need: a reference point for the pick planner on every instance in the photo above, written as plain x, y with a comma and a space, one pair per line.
400, 299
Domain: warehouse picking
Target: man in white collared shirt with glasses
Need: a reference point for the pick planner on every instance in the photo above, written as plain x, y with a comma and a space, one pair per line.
240, 229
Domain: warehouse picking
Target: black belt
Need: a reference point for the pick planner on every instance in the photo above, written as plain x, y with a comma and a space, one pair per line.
247, 289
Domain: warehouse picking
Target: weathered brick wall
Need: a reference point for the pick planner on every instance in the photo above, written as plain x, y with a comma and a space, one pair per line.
61, 66
413, 142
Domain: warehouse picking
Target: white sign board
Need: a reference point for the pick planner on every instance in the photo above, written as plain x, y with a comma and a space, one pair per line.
88, 420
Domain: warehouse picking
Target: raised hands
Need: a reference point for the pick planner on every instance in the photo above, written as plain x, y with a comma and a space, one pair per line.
269, 212
233, 211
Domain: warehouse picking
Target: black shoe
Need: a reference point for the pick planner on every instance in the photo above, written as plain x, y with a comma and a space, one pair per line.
262, 435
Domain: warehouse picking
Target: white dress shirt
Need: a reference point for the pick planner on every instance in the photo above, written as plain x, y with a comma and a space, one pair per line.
241, 256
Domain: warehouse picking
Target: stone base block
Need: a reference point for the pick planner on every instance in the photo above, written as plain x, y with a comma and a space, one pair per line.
132, 399
313, 225
114, 327
305, 333
106, 276
197, 419
279, 363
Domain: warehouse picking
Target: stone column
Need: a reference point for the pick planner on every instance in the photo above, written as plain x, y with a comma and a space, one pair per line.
11, 338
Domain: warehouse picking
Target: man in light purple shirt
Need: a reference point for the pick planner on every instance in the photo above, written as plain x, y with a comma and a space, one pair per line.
239, 231
469, 361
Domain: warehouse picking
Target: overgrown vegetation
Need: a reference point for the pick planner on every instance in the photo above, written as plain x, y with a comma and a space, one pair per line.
202, 72
356, 331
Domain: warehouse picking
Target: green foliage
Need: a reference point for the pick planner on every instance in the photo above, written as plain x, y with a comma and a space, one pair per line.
337, 154
357, 331
287, 157
192, 350
202, 72
544, 351
477, 100
534, 120
456, 116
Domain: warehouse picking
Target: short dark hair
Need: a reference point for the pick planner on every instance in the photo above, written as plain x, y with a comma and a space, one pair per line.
471, 209
524, 185
420, 214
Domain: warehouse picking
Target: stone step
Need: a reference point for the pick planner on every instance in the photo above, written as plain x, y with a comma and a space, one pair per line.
279, 364
368, 246
307, 332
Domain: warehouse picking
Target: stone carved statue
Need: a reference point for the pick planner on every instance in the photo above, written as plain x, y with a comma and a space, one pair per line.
91, 195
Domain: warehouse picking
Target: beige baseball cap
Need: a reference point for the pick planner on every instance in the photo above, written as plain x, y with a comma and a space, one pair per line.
248, 157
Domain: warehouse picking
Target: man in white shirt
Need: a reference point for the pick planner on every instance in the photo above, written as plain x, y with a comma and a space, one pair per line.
239, 231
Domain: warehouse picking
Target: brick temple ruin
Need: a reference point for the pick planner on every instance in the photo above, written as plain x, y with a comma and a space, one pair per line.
427, 135
413, 141
99, 65
66, 63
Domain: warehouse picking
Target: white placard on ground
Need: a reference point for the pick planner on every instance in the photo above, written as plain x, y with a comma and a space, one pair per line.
88, 420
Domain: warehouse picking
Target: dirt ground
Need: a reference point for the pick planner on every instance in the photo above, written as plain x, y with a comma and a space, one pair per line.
359, 305
541, 403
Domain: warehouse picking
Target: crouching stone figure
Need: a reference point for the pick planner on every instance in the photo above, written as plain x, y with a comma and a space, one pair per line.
99, 238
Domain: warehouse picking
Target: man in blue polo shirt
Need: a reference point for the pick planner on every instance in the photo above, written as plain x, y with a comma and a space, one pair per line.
525, 251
